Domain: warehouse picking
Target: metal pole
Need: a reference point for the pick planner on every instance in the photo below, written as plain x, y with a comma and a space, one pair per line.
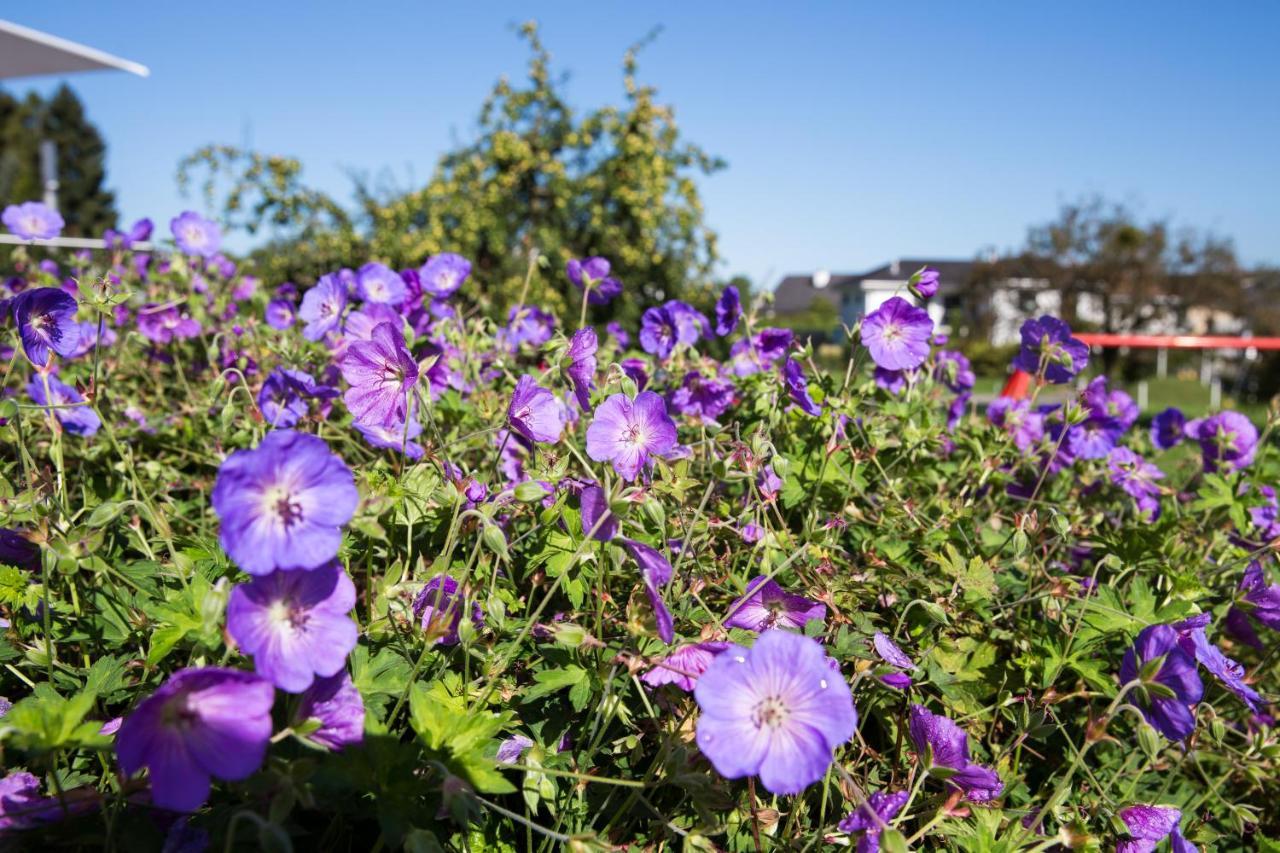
49, 171
1162, 363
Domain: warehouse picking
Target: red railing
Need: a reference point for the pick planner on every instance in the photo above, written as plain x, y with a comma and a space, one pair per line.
1100, 339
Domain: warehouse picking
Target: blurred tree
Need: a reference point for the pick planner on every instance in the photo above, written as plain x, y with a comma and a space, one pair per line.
1116, 274
617, 182
85, 203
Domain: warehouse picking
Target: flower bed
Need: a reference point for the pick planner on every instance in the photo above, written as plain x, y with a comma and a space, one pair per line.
362, 568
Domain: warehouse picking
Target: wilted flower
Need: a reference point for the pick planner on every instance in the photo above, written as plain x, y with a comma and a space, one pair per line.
282, 505
1176, 675
656, 573
628, 433
593, 273
201, 723
728, 310
1048, 342
295, 625
439, 606
767, 605
778, 710
33, 220
1195, 642
195, 235
381, 373
581, 369
322, 307
897, 334
889, 652
594, 504
75, 418
1261, 601
444, 274
534, 412
46, 320
947, 745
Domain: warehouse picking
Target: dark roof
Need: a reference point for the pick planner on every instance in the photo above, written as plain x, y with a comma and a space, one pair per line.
795, 293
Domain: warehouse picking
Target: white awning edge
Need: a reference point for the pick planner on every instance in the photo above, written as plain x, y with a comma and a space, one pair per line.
54, 55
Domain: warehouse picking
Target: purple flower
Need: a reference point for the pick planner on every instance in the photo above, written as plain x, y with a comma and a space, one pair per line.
1025, 426
656, 573
947, 745
872, 817
893, 381
767, 605
636, 370
162, 324
322, 307
1227, 440
359, 325
683, 666
93, 335
201, 723
798, 387
378, 283
139, 232
195, 235
46, 320
769, 483
957, 410
1176, 675
1167, 428
282, 505
396, 436
581, 367
295, 624
702, 397
1115, 406
1137, 478
439, 606
628, 433
619, 334
1195, 642
891, 654
527, 324
766, 347
1261, 601
1149, 825
593, 273
953, 370
443, 274
33, 220
1094, 438
75, 418
284, 394
897, 334
594, 504
925, 282
336, 704
1048, 341
778, 710
381, 373
18, 551
22, 807
675, 323
534, 412
510, 750
728, 311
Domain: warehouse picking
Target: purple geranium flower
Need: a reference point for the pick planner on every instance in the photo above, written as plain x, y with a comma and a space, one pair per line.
443, 274
396, 436
925, 282
872, 817
798, 387
33, 220
379, 283
728, 311
619, 334
381, 373
1148, 826
201, 723
947, 745
1261, 601
46, 320
195, 235
767, 605
75, 418
706, 398
1048, 341
282, 505
675, 323
889, 652
1116, 406
534, 412
1170, 715
439, 606
683, 666
1195, 642
1137, 477
139, 232
594, 504
295, 624
337, 705
527, 324
628, 433
17, 550
162, 324
893, 381
1227, 440
593, 273
778, 710
580, 365
656, 572
284, 395
510, 750
22, 806
1016, 417
1167, 428
953, 370
897, 334
322, 307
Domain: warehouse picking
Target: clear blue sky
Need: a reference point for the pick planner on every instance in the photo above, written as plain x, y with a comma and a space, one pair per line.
854, 132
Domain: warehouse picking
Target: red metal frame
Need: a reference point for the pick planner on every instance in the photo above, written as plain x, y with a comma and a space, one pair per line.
1099, 339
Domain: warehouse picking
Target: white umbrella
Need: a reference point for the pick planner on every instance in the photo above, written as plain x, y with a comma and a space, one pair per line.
25, 52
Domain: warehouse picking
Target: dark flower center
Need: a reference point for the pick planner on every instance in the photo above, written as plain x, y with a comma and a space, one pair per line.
289, 510
770, 711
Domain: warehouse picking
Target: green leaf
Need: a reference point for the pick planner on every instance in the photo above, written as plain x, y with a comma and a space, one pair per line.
548, 681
